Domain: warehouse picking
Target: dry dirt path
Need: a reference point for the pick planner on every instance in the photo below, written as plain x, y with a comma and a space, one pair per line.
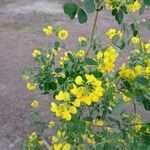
21, 22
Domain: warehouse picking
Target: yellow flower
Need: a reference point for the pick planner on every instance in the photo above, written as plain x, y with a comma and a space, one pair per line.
138, 70
80, 54
25, 77
86, 100
41, 142
147, 46
79, 80
63, 59
99, 55
91, 139
110, 56
112, 32
135, 40
36, 53
72, 110
63, 34
66, 146
55, 139
63, 96
33, 136
76, 103
48, 31
81, 39
31, 86
49, 56
51, 124
99, 123
66, 115
125, 72
35, 104
134, 6
126, 99
60, 134
58, 146
137, 123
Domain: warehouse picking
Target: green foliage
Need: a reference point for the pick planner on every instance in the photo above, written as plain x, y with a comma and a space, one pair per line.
89, 95
89, 6
70, 9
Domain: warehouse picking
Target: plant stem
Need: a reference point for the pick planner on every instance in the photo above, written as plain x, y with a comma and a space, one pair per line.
93, 29
46, 143
135, 111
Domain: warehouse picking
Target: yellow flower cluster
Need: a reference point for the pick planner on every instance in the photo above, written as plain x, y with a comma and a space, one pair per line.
63, 59
56, 142
79, 80
137, 121
131, 73
62, 34
109, 59
80, 54
81, 39
51, 124
98, 123
35, 104
48, 31
108, 4
135, 6
90, 138
65, 96
135, 40
33, 136
63, 110
84, 93
36, 53
112, 32
126, 99
147, 47
31, 86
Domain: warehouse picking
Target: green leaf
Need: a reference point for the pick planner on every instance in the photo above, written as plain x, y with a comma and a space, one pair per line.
61, 80
119, 16
124, 9
98, 1
50, 86
142, 80
88, 118
147, 2
71, 57
58, 70
114, 12
82, 16
89, 61
147, 95
134, 29
70, 9
139, 96
56, 45
142, 9
118, 42
89, 6
99, 147
119, 108
97, 74
146, 104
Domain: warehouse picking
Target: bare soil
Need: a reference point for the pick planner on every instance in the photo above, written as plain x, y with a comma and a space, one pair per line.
21, 22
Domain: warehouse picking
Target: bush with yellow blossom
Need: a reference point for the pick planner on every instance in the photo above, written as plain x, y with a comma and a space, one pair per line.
89, 93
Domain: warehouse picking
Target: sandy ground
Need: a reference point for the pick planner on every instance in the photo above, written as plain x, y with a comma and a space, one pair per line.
21, 22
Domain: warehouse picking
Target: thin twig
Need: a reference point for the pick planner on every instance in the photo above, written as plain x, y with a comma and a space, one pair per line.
46, 143
135, 110
93, 29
